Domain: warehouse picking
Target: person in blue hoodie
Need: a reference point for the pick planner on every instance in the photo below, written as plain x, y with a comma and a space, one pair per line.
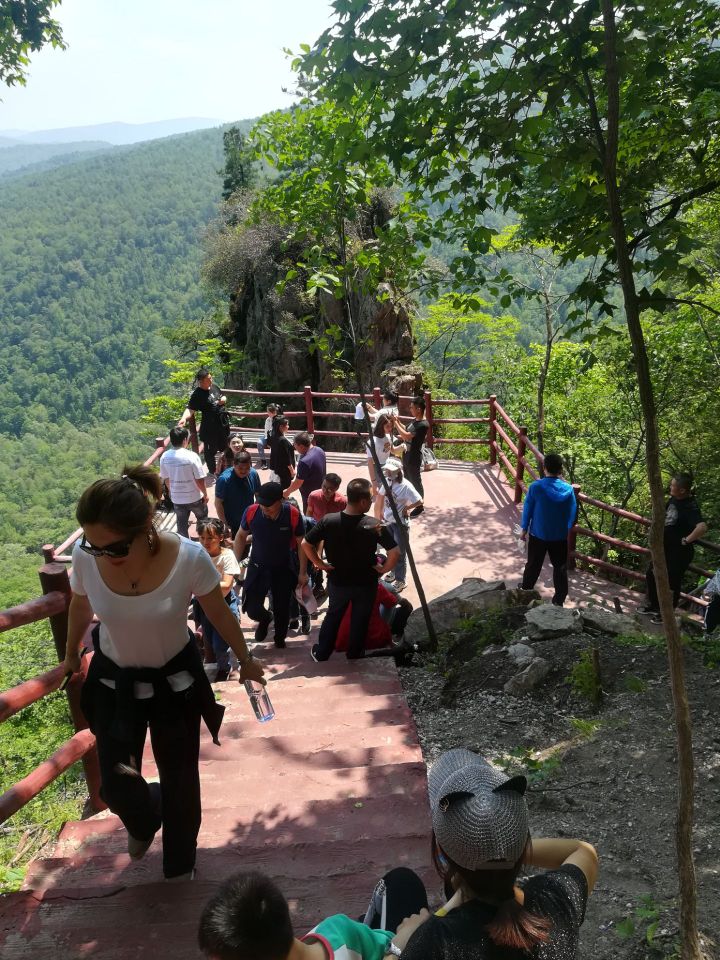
549, 511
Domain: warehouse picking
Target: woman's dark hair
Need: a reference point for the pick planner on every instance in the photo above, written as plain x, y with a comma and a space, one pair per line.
247, 919
513, 926
392, 398
215, 525
125, 504
379, 429
684, 480
277, 423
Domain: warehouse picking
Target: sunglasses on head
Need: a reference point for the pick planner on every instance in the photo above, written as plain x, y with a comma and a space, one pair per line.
115, 550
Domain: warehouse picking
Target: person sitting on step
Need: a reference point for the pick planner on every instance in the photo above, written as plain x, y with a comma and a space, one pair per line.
249, 919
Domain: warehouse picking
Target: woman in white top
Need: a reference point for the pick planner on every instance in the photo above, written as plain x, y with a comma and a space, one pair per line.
146, 671
383, 442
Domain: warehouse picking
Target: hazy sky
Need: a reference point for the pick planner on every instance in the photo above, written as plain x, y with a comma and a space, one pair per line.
143, 60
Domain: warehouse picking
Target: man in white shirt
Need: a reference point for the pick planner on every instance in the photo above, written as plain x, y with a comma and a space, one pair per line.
183, 473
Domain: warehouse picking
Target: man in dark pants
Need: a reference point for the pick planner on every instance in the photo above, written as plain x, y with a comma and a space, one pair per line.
683, 526
415, 436
351, 542
276, 527
549, 511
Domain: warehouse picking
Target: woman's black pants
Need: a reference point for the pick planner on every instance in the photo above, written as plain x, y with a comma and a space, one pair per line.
175, 738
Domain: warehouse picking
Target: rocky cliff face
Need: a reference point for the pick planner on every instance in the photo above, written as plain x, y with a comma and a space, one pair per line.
285, 335
277, 331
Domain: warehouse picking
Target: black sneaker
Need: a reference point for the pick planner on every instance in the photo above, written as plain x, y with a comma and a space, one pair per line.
305, 625
656, 618
314, 651
280, 643
263, 465
648, 610
261, 630
294, 624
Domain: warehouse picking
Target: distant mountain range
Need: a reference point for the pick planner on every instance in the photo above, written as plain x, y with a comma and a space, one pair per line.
117, 134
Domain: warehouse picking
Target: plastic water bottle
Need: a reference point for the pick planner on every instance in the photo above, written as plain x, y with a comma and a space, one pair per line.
260, 701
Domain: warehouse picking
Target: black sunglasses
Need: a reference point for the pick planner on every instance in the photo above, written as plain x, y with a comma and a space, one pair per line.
116, 550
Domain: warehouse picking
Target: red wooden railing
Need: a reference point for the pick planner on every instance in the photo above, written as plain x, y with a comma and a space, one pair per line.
53, 606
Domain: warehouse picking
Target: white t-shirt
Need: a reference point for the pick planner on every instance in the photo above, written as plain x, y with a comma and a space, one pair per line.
226, 562
405, 495
148, 630
181, 467
383, 446
268, 426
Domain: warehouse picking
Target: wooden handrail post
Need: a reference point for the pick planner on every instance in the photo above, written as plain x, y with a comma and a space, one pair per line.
520, 468
54, 577
572, 534
159, 442
492, 430
192, 427
377, 398
430, 439
309, 410
48, 552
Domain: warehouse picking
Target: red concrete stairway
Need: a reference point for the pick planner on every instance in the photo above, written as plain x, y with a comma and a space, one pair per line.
324, 798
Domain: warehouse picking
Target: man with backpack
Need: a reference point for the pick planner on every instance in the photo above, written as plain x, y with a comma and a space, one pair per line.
274, 566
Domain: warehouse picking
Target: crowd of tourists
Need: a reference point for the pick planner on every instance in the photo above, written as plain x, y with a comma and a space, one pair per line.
278, 548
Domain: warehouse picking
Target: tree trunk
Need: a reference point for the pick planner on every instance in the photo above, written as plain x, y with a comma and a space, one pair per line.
542, 379
690, 944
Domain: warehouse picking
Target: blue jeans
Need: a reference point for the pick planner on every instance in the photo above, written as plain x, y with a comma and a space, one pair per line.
400, 570
220, 648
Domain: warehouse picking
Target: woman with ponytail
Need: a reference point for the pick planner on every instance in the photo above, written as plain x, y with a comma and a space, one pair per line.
481, 842
146, 672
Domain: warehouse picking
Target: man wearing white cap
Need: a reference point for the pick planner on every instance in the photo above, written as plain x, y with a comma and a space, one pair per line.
406, 498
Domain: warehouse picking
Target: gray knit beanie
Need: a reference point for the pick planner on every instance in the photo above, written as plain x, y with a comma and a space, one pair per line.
479, 815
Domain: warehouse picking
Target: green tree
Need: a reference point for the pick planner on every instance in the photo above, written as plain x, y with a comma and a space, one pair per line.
240, 170
25, 27
596, 122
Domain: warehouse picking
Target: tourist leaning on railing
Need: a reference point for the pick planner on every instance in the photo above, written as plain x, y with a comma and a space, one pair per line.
146, 671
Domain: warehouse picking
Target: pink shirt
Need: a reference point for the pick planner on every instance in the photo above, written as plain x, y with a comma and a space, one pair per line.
318, 506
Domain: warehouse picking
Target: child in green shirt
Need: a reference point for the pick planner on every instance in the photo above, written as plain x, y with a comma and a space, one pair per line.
249, 919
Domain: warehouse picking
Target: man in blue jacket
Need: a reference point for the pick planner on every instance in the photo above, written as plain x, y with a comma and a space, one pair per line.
550, 510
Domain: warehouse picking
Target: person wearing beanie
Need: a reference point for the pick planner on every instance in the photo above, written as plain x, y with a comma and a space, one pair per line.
481, 841
549, 511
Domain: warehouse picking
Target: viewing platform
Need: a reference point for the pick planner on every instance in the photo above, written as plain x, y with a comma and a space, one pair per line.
326, 797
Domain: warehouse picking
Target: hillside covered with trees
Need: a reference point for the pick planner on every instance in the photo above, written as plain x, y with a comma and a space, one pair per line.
97, 257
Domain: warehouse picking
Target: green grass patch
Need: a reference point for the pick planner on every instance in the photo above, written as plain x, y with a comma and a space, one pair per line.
585, 727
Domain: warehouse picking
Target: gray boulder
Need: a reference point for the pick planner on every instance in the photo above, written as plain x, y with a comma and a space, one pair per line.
548, 621
470, 598
607, 621
521, 653
525, 681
